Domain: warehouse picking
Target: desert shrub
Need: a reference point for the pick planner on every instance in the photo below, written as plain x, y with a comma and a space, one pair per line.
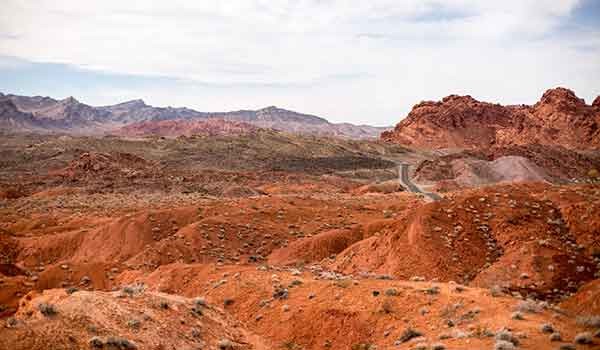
589, 321
517, 316
496, 291
11, 322
280, 293
567, 347
546, 328
295, 283
345, 283
96, 342
432, 290
438, 346
459, 288
228, 302
199, 305
391, 292
291, 345
120, 343
47, 309
135, 324
163, 304
530, 306
127, 290
364, 346
504, 345
507, 336
197, 311
555, 337
133, 289
583, 338
195, 332
225, 344
409, 334
71, 290
481, 331
420, 346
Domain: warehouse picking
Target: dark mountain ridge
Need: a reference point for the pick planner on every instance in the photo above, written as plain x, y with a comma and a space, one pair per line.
71, 116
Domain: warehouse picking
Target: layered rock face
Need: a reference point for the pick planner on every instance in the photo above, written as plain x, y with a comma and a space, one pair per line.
560, 118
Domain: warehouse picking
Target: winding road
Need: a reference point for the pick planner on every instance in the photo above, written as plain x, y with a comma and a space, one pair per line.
407, 183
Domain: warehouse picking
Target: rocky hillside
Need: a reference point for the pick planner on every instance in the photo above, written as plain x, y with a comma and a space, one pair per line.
71, 116
12, 118
560, 118
61, 115
179, 127
137, 110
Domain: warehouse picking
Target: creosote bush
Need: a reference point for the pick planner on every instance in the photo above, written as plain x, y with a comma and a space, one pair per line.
583, 338
47, 310
530, 306
590, 321
120, 343
409, 334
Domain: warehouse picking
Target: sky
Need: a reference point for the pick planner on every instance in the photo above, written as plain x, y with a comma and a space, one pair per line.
365, 62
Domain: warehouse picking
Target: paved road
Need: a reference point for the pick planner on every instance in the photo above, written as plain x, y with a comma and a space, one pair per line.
406, 182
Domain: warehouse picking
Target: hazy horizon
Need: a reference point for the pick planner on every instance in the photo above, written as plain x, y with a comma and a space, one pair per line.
366, 63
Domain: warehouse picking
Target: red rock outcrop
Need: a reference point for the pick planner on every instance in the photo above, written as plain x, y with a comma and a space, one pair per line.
596, 102
559, 118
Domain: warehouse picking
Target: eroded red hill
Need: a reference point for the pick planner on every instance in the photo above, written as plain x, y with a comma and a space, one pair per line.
560, 118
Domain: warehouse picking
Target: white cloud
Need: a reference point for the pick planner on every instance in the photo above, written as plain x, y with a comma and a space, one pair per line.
365, 61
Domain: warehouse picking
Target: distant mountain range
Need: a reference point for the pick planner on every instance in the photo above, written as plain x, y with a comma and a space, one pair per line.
45, 114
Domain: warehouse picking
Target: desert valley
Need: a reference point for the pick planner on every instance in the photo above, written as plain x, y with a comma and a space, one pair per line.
469, 225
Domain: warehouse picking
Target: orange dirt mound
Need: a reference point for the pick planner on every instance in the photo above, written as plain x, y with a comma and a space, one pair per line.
494, 236
146, 320
390, 186
316, 248
319, 309
586, 301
